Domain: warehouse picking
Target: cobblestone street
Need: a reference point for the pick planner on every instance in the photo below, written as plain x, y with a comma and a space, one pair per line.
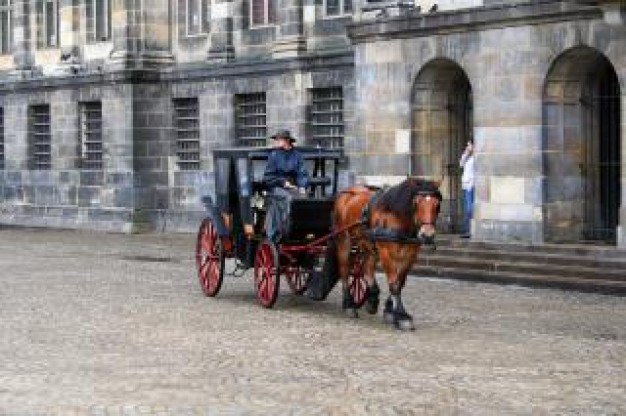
109, 324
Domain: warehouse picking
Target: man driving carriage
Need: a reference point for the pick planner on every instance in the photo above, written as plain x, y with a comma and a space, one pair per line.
285, 176
285, 165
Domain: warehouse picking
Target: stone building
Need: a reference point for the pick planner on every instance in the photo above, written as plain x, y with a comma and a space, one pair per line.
110, 108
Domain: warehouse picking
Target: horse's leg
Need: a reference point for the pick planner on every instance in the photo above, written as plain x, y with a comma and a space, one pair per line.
402, 320
394, 311
373, 291
343, 257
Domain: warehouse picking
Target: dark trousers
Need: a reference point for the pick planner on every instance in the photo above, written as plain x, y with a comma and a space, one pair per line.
468, 210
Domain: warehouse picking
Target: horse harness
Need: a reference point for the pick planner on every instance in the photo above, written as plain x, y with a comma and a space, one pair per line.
385, 233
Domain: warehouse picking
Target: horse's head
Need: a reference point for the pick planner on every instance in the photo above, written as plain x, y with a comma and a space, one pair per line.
426, 206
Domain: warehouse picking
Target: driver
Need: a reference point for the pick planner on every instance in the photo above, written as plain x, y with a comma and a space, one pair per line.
285, 176
285, 165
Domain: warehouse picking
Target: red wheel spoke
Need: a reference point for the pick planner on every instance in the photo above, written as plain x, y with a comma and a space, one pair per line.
209, 259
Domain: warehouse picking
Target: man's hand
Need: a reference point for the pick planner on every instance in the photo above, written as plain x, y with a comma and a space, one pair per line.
289, 185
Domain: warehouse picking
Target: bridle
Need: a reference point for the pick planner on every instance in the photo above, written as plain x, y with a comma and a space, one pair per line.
423, 195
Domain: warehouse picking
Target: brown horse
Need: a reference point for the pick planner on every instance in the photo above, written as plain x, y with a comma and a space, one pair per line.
396, 222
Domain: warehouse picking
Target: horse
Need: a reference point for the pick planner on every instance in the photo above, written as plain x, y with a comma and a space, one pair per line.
394, 224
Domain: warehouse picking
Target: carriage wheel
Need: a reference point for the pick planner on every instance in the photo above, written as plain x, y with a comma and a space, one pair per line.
209, 258
296, 279
266, 273
356, 280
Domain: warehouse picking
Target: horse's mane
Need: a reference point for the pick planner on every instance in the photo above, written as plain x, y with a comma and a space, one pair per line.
398, 199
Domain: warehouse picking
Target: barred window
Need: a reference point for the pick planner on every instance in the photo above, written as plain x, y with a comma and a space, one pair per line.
6, 26
262, 12
250, 119
1, 138
196, 16
98, 20
337, 7
91, 135
39, 137
47, 23
326, 117
187, 124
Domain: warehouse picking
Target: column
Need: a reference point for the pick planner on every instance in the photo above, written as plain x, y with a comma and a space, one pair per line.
222, 49
289, 41
141, 34
69, 31
22, 38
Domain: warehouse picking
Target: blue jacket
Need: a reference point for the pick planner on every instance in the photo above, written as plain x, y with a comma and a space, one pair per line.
285, 165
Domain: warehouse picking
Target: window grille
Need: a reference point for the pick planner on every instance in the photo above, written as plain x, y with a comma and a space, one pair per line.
47, 23
196, 17
250, 119
187, 124
1, 138
262, 12
91, 135
98, 20
40, 141
326, 117
337, 7
6, 26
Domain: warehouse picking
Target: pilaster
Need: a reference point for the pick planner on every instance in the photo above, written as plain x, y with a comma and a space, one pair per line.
222, 48
290, 40
22, 37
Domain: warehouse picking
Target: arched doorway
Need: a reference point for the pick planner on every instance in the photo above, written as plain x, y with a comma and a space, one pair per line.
581, 148
442, 123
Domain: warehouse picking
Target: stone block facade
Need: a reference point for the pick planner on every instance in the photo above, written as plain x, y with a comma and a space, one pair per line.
516, 77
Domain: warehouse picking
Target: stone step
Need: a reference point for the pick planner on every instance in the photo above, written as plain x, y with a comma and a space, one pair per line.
568, 266
505, 264
504, 256
577, 250
614, 287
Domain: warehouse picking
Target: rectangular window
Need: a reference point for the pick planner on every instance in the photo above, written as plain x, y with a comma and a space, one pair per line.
1, 138
91, 135
262, 12
98, 20
250, 119
6, 28
47, 23
39, 137
326, 117
337, 7
187, 125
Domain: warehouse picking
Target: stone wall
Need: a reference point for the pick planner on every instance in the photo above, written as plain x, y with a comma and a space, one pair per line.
506, 54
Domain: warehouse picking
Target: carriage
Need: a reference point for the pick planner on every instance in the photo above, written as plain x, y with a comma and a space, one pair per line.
234, 229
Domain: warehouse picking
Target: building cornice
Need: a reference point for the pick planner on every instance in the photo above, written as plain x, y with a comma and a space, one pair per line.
480, 18
28, 81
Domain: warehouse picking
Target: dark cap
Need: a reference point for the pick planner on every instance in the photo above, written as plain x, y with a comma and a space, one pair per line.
285, 134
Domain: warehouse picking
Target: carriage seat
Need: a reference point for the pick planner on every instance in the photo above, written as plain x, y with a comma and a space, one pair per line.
314, 183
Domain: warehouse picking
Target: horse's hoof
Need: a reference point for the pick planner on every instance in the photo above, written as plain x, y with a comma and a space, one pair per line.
372, 307
351, 312
405, 325
389, 317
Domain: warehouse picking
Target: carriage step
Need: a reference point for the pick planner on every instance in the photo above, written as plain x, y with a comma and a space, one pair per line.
613, 287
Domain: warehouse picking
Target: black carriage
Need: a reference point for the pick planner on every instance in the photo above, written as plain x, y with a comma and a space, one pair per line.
234, 227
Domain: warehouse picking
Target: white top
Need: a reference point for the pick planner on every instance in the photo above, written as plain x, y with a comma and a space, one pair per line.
467, 163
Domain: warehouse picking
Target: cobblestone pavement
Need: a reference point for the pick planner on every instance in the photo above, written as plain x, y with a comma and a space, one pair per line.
105, 324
